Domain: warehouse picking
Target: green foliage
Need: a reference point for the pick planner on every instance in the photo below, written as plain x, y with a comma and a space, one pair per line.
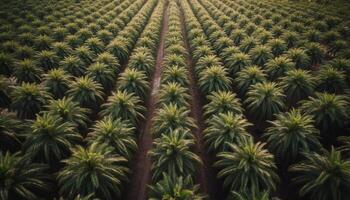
249, 76
323, 176
223, 102
95, 170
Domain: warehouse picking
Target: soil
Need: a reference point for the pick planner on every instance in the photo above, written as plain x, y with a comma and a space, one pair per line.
141, 169
206, 177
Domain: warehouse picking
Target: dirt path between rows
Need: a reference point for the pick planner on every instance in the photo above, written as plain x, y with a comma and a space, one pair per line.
141, 171
206, 176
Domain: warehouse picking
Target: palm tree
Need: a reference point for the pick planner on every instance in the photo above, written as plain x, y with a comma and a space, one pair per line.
134, 81
202, 51
206, 62
174, 60
87, 92
248, 43
142, 60
278, 67
6, 86
10, 128
172, 155
323, 176
316, 52
28, 99
61, 49
297, 84
179, 188
84, 54
237, 62
115, 133
95, 45
328, 110
50, 139
264, 100
102, 74
6, 62
278, 46
47, 60
175, 74
291, 134
260, 54
57, 82
223, 102
109, 60
331, 80
73, 65
119, 48
299, 57
27, 71
213, 79
173, 92
249, 76
247, 167
224, 129
170, 117
124, 105
95, 170
20, 179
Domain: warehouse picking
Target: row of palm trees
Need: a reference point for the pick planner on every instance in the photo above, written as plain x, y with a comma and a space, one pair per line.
287, 132
174, 161
101, 168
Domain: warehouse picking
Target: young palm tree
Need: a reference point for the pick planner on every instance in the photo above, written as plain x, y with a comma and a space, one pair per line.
6, 86
223, 102
73, 65
174, 93
124, 105
331, 80
297, 84
20, 179
206, 62
142, 60
84, 54
249, 76
323, 176
134, 81
95, 45
119, 48
224, 129
299, 57
329, 110
10, 128
264, 100
28, 99
175, 74
86, 92
202, 51
95, 170
316, 52
174, 60
290, 135
260, 55
69, 111
109, 60
57, 82
102, 74
62, 49
170, 117
6, 63
27, 71
47, 60
248, 43
172, 155
179, 188
50, 139
237, 62
213, 79
279, 66
278, 46
247, 167
115, 133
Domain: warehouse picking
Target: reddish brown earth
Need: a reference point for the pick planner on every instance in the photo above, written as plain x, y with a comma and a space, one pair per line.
141, 171
206, 176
